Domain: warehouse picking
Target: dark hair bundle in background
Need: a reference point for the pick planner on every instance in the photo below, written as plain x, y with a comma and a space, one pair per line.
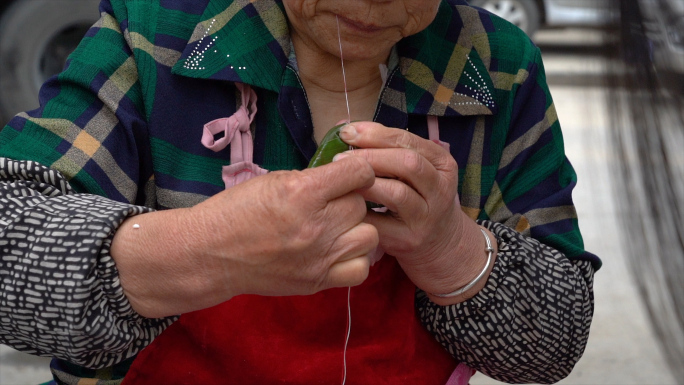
646, 106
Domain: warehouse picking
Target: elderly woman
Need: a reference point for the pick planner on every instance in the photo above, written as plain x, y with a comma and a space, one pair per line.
122, 205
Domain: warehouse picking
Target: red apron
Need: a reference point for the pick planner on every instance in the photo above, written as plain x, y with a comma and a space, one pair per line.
300, 340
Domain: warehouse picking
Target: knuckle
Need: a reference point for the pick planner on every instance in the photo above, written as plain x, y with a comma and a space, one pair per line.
355, 162
367, 172
399, 193
450, 164
287, 193
304, 237
362, 167
293, 184
362, 163
405, 140
412, 161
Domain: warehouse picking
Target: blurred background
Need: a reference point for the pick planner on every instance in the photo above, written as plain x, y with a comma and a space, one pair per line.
616, 72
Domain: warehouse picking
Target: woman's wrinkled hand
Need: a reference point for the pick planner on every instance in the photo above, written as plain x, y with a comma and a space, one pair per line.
292, 232
417, 180
283, 233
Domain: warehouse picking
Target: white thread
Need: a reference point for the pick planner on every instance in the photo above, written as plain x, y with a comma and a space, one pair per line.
346, 342
346, 97
344, 75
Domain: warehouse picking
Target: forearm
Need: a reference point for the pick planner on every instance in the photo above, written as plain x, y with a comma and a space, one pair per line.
59, 285
530, 323
162, 266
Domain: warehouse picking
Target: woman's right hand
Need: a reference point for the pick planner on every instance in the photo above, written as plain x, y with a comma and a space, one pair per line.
284, 233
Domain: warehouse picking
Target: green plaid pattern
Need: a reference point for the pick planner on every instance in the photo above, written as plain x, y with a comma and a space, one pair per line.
124, 119
124, 86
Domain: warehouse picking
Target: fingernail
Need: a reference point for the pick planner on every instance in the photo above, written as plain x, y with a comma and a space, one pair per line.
339, 156
348, 133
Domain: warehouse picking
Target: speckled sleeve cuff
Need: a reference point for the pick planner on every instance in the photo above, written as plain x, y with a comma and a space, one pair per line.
59, 288
531, 321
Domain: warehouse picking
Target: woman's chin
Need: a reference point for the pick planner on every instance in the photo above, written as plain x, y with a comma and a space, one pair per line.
365, 51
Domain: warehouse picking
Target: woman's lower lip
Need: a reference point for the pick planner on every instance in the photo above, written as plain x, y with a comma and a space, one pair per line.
360, 26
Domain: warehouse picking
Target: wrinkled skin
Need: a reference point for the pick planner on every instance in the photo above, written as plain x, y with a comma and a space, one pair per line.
306, 233
283, 233
369, 28
437, 245
299, 232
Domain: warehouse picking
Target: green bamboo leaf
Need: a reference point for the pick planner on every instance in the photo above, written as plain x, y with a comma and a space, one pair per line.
332, 145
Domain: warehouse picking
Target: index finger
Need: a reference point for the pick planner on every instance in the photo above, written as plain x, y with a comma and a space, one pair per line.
341, 177
375, 135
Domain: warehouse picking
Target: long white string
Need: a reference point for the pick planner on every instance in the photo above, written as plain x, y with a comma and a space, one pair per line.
346, 342
344, 75
346, 97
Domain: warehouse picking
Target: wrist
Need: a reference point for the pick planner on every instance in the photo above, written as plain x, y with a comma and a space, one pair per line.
208, 277
465, 260
160, 265
477, 283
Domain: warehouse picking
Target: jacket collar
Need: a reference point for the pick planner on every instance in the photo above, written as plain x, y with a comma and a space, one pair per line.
445, 68
239, 41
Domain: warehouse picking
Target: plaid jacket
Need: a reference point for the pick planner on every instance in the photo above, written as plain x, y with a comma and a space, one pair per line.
124, 119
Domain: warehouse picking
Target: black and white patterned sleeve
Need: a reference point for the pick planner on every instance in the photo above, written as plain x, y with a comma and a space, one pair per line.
59, 289
531, 321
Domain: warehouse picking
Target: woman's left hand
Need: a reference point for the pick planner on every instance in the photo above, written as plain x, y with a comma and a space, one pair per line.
424, 228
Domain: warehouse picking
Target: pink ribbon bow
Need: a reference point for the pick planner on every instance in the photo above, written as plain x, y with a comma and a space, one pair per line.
236, 132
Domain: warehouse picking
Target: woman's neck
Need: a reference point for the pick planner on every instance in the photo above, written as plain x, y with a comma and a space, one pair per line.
321, 75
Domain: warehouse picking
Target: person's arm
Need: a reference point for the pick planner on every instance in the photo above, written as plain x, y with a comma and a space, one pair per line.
527, 319
530, 322
59, 286
72, 171
78, 279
